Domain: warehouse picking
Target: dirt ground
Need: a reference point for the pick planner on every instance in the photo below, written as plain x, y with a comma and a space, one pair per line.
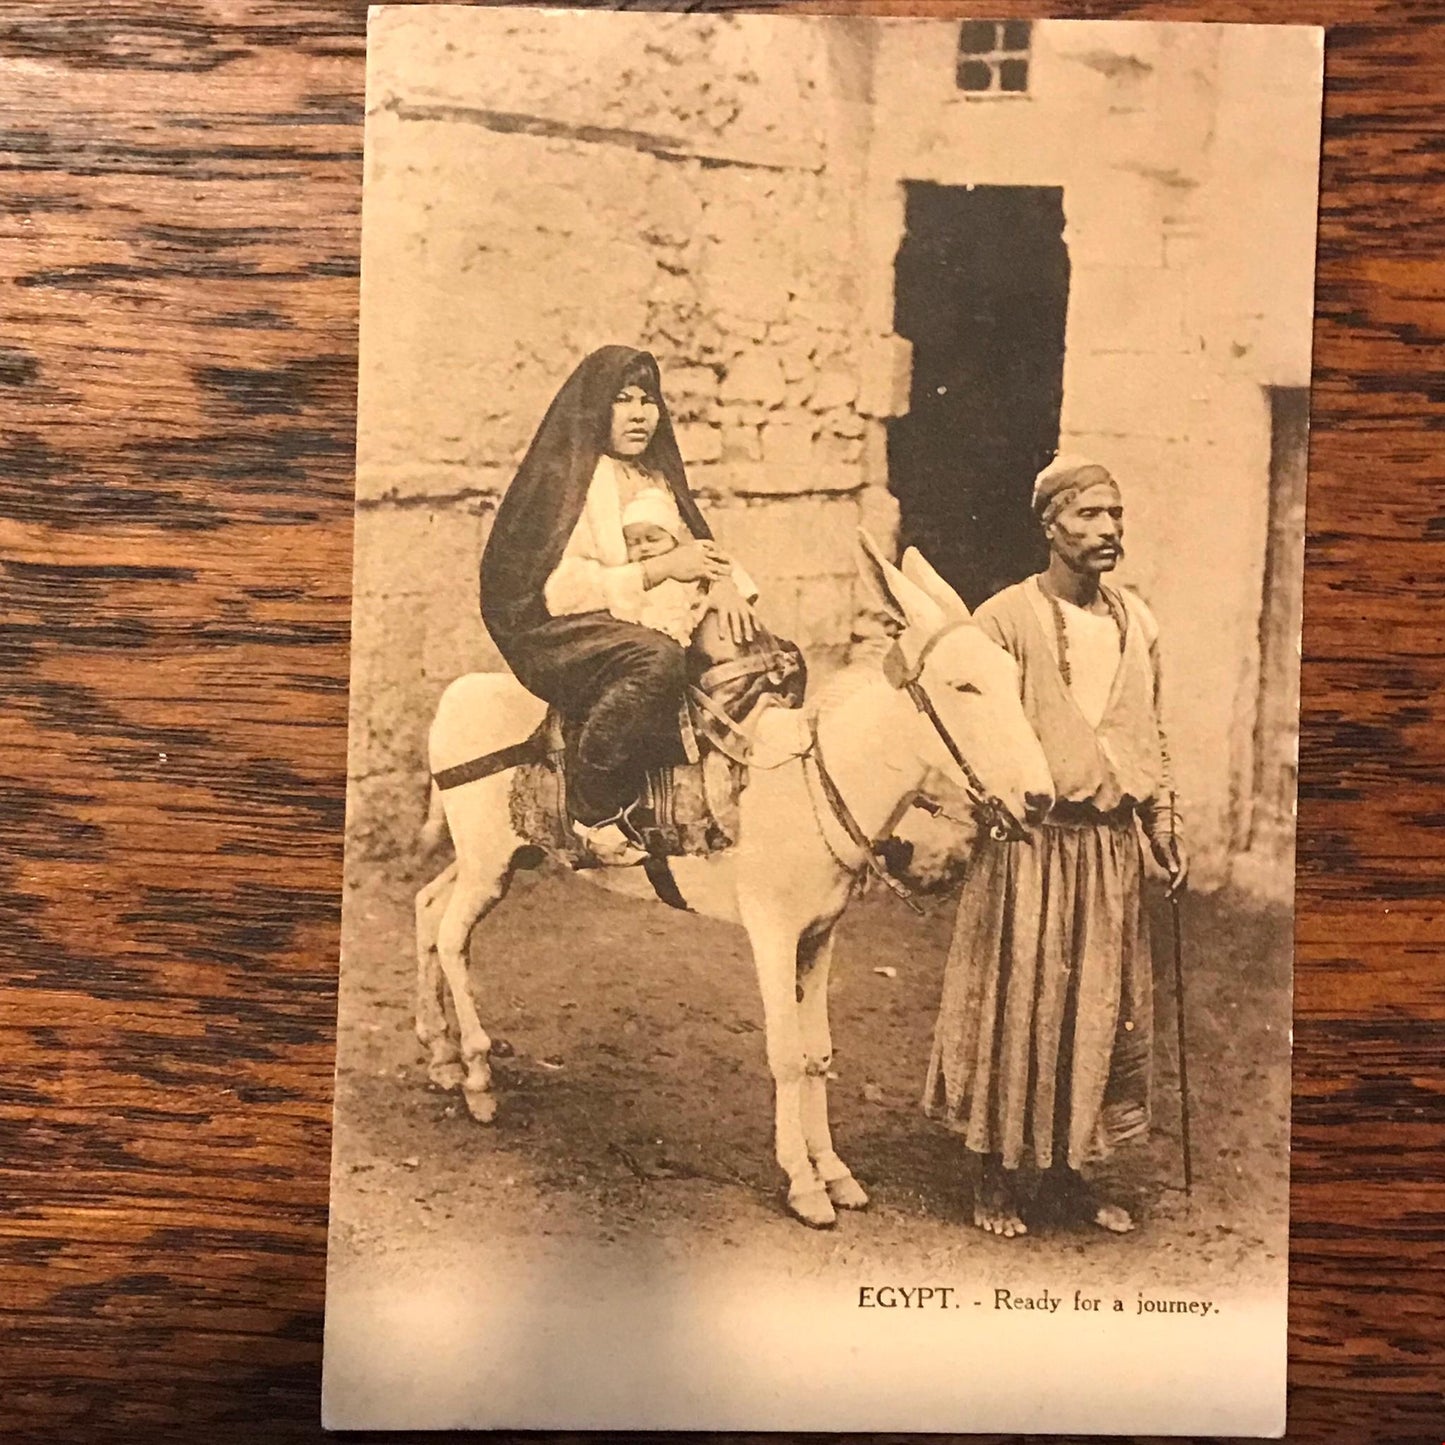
635, 1103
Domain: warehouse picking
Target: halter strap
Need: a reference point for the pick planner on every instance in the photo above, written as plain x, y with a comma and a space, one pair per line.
850, 825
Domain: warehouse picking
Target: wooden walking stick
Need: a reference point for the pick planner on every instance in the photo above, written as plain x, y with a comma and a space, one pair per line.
1179, 1013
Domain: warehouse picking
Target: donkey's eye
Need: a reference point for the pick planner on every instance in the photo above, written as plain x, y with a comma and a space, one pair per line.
964, 687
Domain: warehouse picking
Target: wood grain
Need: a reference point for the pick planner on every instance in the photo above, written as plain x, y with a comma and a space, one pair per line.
179, 202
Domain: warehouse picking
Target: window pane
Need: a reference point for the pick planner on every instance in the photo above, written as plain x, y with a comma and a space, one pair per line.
1016, 35
978, 37
1014, 75
975, 75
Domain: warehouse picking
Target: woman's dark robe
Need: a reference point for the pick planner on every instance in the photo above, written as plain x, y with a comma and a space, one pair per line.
622, 684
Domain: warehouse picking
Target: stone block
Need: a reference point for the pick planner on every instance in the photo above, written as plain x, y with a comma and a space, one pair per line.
756, 377
744, 478
742, 331
699, 442
836, 387
878, 515
875, 454
1184, 252
390, 544
795, 358
710, 343
695, 385
741, 444
834, 452
886, 375
843, 421
672, 291
788, 443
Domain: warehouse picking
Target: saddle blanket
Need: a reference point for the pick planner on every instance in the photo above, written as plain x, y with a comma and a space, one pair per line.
690, 809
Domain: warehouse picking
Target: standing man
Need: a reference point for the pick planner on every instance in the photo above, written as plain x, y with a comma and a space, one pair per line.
1043, 1048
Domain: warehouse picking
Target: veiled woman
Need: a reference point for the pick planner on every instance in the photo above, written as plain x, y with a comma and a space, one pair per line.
558, 590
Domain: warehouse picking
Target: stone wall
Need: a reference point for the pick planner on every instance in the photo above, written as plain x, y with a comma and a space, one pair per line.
729, 193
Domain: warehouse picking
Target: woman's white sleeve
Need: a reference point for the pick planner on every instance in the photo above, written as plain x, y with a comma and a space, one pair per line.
580, 583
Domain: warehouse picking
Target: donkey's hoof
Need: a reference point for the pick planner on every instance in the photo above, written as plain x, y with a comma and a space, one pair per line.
814, 1208
447, 1075
847, 1193
482, 1104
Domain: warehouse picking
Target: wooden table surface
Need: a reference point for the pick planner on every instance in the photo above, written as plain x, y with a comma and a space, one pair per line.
179, 204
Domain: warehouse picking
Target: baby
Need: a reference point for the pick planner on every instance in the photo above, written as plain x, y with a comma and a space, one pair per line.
649, 527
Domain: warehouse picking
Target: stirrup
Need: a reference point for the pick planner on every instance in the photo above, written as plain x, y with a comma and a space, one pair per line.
608, 844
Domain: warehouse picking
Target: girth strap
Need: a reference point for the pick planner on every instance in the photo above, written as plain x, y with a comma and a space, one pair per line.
530, 750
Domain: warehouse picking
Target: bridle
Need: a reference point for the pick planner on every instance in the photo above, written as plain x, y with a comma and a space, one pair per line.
905, 678
1001, 826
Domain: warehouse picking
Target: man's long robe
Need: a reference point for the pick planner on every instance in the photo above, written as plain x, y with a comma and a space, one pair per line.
1043, 1046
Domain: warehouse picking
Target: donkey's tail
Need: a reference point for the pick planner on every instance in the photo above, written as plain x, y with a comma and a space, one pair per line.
433, 835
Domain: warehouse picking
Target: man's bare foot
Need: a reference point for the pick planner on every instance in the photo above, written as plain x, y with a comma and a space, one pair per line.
1080, 1203
995, 1202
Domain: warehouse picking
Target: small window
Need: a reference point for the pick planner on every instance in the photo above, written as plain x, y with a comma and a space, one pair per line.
993, 57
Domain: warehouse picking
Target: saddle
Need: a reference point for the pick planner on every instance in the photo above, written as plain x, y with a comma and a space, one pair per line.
690, 809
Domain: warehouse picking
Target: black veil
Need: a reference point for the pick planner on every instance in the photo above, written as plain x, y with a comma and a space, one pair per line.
535, 519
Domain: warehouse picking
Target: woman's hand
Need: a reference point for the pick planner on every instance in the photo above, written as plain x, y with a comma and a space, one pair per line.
734, 612
690, 562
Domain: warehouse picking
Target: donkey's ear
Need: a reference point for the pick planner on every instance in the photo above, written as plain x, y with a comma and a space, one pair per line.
917, 569
909, 604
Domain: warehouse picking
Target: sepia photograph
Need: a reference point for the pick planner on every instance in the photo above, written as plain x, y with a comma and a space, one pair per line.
816, 944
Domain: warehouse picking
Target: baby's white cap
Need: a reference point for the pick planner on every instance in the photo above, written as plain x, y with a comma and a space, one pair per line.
655, 507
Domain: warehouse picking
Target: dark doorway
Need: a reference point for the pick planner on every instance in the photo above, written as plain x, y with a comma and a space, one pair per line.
981, 291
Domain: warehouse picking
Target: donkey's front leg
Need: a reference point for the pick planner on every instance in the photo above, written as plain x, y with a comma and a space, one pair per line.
775, 956
815, 959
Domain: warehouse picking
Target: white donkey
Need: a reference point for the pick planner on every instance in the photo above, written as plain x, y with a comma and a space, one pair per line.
945, 701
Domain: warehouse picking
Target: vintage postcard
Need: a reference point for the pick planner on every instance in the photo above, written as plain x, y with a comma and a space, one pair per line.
820, 827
